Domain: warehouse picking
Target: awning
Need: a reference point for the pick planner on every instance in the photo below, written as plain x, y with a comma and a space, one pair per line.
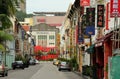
91, 49
100, 41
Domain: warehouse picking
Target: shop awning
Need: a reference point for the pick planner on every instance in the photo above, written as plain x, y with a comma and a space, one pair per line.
100, 41
91, 49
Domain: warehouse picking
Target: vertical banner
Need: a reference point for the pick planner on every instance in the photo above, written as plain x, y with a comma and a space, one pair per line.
84, 2
100, 15
107, 17
114, 8
80, 36
90, 21
90, 16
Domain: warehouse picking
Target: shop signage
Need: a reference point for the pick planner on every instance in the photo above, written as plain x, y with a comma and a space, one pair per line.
100, 15
90, 21
41, 20
87, 41
90, 16
84, 2
114, 8
90, 30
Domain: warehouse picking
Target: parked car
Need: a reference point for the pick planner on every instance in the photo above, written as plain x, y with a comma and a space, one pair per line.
55, 62
18, 64
63, 65
3, 69
36, 61
32, 62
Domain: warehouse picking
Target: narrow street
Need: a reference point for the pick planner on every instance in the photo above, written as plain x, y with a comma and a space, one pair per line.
44, 70
49, 71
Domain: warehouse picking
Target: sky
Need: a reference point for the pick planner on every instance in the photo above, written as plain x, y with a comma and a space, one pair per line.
47, 5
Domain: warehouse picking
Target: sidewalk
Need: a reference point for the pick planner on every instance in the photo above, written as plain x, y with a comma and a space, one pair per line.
78, 73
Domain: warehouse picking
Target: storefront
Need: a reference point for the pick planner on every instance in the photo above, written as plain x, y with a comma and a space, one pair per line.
103, 48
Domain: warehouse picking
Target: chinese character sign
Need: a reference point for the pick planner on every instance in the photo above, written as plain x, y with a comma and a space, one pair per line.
90, 16
100, 15
84, 2
114, 8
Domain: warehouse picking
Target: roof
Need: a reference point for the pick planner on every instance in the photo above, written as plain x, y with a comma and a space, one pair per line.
50, 20
91, 49
55, 13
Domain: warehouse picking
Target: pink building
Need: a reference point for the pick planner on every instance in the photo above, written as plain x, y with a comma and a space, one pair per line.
50, 18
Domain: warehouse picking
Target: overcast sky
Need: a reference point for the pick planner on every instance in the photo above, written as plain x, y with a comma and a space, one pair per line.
47, 5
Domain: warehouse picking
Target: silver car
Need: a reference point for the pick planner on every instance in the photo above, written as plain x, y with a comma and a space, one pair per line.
64, 66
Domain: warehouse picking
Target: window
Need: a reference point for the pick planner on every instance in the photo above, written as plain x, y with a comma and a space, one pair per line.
51, 43
42, 37
51, 37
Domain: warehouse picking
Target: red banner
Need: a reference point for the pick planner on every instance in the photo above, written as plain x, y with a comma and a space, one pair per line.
107, 16
114, 8
84, 2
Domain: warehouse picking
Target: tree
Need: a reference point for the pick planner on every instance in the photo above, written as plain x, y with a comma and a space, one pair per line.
21, 15
2, 47
6, 23
7, 10
3, 38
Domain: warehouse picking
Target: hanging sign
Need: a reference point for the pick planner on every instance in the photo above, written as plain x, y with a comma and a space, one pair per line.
114, 8
90, 16
90, 30
100, 15
84, 2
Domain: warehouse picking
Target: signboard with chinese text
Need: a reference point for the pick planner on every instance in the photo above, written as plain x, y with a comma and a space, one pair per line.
90, 16
100, 15
90, 21
84, 2
114, 8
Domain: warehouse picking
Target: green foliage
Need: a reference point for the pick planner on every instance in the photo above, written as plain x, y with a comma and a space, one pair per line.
21, 58
52, 52
63, 59
6, 22
50, 60
5, 36
39, 53
21, 15
87, 70
74, 63
2, 48
18, 57
8, 8
106, 68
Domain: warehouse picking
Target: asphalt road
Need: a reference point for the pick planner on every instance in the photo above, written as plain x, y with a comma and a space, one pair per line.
44, 70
